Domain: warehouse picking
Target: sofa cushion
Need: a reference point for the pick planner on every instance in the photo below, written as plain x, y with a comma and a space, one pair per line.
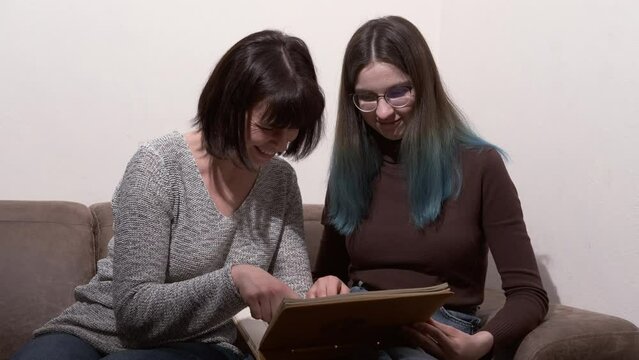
47, 250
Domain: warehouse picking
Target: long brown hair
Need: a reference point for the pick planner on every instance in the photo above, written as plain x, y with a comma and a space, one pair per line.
434, 133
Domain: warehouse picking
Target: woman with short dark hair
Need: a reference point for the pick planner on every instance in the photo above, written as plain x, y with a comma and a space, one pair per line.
205, 223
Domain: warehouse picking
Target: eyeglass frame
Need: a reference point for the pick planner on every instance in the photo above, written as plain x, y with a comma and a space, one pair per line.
385, 96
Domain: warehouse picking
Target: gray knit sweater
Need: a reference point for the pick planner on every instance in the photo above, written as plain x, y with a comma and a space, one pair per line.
167, 277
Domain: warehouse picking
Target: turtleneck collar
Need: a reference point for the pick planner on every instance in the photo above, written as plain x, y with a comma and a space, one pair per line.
388, 148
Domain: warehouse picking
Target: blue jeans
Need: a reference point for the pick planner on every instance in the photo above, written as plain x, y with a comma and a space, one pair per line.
459, 320
61, 346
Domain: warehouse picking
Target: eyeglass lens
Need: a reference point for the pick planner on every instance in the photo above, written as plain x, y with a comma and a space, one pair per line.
397, 97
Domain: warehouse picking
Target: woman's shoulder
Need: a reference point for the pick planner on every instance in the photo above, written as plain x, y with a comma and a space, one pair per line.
159, 158
161, 151
278, 175
481, 162
278, 168
486, 156
166, 145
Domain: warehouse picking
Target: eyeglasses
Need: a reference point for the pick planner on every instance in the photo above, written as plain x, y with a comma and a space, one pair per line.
397, 97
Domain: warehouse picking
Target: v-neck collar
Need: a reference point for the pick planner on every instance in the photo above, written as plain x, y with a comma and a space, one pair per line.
202, 186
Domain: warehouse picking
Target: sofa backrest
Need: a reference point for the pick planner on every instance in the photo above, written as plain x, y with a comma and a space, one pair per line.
103, 218
46, 250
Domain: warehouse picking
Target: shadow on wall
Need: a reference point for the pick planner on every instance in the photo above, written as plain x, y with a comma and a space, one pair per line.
493, 280
551, 289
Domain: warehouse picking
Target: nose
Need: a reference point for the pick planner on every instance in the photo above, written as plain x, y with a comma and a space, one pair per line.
384, 110
283, 137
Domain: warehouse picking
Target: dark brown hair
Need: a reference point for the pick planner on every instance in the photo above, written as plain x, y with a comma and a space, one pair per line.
265, 66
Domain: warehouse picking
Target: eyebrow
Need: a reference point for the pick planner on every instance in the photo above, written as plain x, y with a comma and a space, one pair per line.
263, 126
406, 83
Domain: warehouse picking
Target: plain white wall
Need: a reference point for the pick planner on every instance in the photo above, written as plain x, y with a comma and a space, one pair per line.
85, 82
556, 84
553, 83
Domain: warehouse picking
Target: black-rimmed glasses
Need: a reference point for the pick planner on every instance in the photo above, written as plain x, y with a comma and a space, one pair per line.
397, 97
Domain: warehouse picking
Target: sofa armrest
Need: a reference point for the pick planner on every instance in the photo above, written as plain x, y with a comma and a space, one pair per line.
571, 333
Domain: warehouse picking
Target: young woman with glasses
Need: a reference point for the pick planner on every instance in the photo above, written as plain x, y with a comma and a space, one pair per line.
416, 198
205, 223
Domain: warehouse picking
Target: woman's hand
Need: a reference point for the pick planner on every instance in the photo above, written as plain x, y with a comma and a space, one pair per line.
448, 343
327, 286
261, 291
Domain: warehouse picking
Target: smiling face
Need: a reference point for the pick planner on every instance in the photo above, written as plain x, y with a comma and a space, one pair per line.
377, 78
264, 142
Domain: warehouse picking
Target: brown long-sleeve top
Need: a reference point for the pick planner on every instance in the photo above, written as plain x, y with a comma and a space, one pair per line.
388, 252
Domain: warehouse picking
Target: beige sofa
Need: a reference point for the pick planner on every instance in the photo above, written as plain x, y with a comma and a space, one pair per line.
47, 248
